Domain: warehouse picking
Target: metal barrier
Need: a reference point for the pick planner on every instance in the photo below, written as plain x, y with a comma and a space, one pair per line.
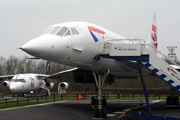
53, 98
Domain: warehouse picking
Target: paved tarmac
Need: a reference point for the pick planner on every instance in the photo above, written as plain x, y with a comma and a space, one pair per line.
81, 110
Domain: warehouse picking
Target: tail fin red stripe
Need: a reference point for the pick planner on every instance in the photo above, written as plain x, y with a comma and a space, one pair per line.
154, 29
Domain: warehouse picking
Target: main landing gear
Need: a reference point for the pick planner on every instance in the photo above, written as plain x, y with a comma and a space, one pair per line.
18, 95
99, 101
172, 101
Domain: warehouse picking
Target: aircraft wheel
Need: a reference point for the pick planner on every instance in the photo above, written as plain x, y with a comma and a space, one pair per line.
104, 102
46, 93
104, 112
94, 101
96, 113
175, 101
168, 100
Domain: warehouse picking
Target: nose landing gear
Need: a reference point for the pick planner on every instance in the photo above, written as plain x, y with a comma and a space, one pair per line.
99, 101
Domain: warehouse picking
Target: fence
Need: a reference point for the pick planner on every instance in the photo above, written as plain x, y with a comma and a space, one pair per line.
30, 99
44, 99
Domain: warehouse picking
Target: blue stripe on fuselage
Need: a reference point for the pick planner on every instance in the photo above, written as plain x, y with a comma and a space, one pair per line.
94, 37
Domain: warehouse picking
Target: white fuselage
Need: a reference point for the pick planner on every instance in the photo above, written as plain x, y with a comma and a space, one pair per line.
80, 50
24, 83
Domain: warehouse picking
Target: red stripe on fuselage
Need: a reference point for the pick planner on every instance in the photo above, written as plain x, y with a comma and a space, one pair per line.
95, 30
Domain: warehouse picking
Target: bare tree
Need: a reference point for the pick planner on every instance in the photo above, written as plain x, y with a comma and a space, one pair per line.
2, 65
21, 65
11, 65
15, 65
40, 66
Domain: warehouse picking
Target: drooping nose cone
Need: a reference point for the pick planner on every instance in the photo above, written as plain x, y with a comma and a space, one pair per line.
36, 47
49, 47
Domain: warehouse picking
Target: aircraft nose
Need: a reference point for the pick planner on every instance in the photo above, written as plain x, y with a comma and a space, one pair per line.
29, 46
33, 47
13, 88
16, 87
42, 47
38, 47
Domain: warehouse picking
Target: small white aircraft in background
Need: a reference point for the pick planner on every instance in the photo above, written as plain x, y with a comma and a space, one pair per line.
30, 82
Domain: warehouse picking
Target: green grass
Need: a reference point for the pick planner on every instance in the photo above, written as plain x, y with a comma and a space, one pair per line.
25, 101
136, 97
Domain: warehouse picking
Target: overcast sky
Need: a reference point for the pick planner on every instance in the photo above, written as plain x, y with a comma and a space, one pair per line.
23, 20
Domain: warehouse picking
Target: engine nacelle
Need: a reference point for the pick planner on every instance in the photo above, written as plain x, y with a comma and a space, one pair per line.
64, 85
6, 84
50, 85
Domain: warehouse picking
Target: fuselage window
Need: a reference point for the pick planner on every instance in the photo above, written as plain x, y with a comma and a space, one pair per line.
55, 30
68, 33
48, 30
18, 80
62, 31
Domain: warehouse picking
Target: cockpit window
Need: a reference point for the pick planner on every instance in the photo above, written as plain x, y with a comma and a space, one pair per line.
55, 30
18, 80
74, 31
68, 33
48, 30
31, 78
62, 31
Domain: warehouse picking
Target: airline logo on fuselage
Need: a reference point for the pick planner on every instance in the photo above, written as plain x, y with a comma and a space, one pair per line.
173, 73
125, 49
169, 69
92, 29
32, 84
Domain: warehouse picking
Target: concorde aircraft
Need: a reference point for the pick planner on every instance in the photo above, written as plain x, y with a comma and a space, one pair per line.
88, 47
19, 84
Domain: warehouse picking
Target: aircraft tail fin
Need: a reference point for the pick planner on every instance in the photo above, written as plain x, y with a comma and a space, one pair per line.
47, 68
152, 41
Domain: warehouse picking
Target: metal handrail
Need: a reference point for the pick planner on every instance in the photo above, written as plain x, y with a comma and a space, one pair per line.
129, 41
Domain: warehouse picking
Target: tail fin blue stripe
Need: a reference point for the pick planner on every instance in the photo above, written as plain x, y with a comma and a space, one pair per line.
47, 68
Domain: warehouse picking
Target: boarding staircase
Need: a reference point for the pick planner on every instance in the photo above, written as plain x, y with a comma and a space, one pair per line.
137, 50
